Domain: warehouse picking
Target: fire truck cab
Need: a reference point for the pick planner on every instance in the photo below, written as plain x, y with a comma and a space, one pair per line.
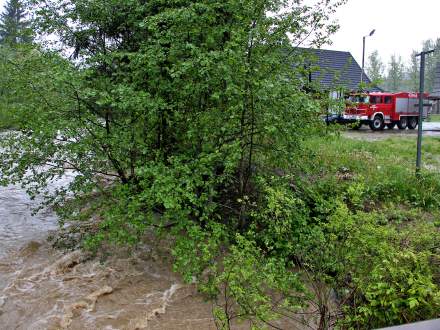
379, 109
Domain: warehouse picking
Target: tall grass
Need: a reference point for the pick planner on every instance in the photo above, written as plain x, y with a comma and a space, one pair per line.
385, 168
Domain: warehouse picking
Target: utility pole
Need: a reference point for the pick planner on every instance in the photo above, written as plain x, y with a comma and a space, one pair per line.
421, 99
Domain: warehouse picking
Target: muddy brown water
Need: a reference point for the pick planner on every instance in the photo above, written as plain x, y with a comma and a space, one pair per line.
44, 288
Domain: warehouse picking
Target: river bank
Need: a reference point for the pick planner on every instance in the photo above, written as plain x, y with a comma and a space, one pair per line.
389, 217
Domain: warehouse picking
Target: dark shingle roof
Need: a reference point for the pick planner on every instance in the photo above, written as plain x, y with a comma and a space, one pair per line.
336, 69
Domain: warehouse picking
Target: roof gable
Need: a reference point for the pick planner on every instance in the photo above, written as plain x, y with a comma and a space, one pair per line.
336, 69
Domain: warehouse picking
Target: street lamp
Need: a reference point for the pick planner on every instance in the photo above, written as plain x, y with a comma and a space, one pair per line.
363, 55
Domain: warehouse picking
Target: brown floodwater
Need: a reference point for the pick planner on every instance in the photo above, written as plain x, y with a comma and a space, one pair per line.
44, 288
47, 289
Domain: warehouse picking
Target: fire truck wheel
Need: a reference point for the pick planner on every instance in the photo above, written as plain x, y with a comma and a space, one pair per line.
412, 123
377, 124
402, 123
391, 126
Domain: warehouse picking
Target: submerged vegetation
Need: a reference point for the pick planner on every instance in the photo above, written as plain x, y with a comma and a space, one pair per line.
186, 119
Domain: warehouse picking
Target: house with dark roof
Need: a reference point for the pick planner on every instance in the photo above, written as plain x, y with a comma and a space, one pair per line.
335, 70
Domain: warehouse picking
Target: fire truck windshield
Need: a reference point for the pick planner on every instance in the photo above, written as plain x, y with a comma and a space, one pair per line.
359, 99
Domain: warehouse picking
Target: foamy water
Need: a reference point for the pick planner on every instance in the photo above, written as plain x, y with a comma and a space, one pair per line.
43, 288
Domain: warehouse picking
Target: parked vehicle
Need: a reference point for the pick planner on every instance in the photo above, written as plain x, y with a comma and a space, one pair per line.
378, 109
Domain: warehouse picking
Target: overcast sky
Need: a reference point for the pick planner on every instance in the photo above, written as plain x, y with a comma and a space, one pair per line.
401, 25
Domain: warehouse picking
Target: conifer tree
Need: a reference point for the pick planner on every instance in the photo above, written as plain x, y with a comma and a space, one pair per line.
413, 73
14, 25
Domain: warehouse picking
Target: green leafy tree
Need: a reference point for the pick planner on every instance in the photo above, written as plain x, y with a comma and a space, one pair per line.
375, 68
431, 62
14, 24
395, 76
189, 109
413, 73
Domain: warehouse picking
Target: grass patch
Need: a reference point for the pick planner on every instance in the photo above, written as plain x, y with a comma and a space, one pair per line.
385, 169
434, 118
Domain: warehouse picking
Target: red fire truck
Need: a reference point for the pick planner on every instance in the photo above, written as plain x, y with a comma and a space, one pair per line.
384, 109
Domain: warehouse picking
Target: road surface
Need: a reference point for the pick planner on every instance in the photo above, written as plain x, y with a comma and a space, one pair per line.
365, 133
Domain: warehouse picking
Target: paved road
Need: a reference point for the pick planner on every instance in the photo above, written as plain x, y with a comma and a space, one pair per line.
365, 133
431, 126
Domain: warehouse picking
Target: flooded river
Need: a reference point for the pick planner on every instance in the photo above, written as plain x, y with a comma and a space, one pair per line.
43, 288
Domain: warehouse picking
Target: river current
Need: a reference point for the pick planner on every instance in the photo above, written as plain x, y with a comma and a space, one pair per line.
44, 288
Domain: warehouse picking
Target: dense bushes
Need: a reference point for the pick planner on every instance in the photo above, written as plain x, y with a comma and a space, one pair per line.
378, 247
187, 119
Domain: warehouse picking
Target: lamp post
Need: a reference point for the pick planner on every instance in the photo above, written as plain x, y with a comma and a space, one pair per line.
363, 54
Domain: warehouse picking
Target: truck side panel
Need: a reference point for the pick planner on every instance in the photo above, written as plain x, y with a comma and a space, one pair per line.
410, 106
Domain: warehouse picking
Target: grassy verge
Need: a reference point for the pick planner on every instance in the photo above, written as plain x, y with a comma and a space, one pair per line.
380, 226
385, 167
435, 118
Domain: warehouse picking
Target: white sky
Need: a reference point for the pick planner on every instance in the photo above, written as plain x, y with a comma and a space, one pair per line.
401, 26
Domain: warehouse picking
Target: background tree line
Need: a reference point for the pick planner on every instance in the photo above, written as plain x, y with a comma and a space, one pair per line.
400, 76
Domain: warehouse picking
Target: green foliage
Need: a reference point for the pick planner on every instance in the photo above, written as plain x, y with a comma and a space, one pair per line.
186, 119
246, 282
14, 24
172, 111
395, 76
378, 253
391, 279
401, 290
7, 120
375, 68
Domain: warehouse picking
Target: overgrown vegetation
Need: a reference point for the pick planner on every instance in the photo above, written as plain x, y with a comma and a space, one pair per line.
188, 119
379, 227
